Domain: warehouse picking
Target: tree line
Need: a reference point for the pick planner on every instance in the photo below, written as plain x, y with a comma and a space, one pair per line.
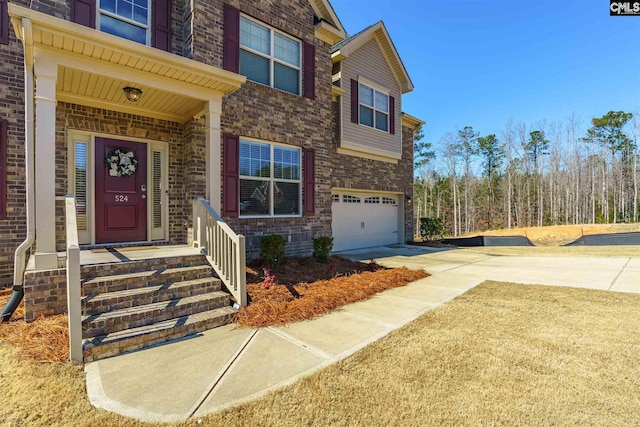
547, 174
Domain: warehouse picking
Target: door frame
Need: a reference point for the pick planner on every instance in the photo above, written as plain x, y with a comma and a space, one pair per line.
399, 195
88, 236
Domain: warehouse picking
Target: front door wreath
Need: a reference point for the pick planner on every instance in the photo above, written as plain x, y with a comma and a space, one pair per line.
121, 162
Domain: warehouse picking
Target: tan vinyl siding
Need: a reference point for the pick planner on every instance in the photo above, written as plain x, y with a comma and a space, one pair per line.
369, 62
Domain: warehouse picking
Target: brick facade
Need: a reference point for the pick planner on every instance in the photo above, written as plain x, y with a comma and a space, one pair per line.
260, 112
45, 293
254, 111
13, 228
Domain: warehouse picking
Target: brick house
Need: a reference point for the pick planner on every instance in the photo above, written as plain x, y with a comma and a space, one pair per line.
137, 107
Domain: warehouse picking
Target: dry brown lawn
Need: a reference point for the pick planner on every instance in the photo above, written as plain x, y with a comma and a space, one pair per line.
558, 235
501, 354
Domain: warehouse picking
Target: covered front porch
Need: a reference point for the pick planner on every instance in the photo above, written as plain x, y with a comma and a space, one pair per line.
83, 116
123, 147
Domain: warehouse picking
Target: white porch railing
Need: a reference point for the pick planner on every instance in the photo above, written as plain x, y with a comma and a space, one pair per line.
73, 282
224, 249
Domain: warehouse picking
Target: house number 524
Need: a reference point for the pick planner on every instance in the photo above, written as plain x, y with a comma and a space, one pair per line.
121, 198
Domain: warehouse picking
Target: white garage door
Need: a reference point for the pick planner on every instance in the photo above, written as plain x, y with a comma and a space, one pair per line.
362, 220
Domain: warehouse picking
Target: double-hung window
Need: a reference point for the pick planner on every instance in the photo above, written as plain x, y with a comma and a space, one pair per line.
374, 108
270, 183
128, 19
269, 57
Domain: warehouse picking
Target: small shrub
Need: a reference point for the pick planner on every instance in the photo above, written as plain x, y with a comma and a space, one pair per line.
272, 249
270, 279
431, 228
322, 247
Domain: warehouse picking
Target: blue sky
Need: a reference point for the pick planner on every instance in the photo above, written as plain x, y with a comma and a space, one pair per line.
483, 62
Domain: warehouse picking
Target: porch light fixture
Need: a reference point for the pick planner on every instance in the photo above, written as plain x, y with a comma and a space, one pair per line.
133, 94
407, 198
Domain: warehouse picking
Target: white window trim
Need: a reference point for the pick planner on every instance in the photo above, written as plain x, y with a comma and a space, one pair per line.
161, 233
375, 89
373, 85
147, 27
271, 57
271, 180
84, 236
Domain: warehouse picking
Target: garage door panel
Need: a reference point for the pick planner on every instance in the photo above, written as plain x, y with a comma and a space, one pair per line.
360, 225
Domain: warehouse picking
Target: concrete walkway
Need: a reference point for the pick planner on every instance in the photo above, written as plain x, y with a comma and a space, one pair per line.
229, 365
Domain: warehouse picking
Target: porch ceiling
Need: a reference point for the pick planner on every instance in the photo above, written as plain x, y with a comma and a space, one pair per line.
86, 88
93, 67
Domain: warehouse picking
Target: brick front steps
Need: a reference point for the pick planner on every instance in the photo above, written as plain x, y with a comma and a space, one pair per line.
130, 305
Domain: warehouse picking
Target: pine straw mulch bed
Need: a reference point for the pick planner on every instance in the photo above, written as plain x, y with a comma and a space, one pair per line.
321, 288
46, 340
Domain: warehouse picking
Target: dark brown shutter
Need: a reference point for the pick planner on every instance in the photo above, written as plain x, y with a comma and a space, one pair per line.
161, 24
231, 176
3, 168
309, 159
309, 71
83, 12
231, 47
392, 115
4, 22
355, 103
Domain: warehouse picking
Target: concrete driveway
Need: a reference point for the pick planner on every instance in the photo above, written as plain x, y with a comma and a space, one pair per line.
229, 365
614, 274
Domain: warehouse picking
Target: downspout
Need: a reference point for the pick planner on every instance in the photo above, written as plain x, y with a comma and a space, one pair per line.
19, 263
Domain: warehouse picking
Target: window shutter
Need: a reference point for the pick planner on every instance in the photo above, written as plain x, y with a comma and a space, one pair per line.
309, 181
355, 103
309, 71
3, 168
83, 12
392, 115
4, 22
231, 48
161, 24
231, 176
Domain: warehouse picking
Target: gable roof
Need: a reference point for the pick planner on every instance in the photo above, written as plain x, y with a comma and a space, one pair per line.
377, 32
337, 46
328, 28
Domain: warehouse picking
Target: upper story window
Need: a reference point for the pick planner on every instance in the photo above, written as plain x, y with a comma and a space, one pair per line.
129, 19
270, 183
269, 57
374, 108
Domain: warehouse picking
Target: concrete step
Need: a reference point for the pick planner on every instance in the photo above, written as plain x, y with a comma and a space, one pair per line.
102, 303
143, 279
135, 317
115, 343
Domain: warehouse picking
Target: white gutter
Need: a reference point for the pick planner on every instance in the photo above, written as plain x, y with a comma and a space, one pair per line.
19, 263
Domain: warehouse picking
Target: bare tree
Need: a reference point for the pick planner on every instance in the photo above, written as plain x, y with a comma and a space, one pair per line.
452, 154
552, 173
508, 135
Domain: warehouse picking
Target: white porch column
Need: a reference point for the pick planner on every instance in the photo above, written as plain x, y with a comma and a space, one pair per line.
46, 74
213, 110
